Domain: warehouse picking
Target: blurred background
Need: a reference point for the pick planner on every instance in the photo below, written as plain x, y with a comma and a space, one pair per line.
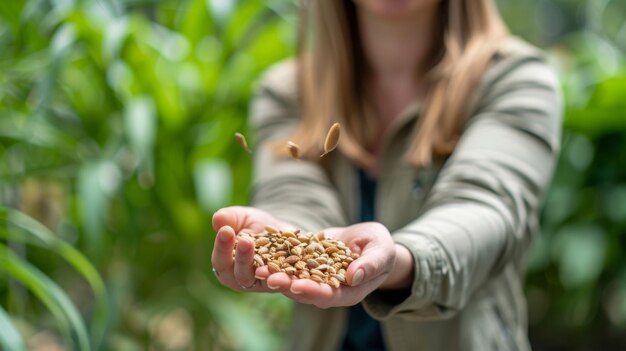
116, 146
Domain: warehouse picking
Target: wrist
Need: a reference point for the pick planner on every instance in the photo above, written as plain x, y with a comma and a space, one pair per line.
401, 275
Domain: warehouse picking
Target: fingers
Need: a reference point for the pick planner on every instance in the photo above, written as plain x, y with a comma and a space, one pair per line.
244, 270
222, 257
229, 216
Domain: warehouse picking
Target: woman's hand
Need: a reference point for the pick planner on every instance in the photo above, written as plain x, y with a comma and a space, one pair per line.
372, 270
238, 273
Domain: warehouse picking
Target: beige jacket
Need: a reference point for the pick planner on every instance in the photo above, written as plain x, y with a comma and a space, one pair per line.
467, 220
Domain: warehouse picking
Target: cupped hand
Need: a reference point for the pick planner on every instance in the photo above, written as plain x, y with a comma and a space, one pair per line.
238, 272
377, 251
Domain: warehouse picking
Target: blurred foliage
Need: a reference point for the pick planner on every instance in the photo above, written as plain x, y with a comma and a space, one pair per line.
116, 145
116, 133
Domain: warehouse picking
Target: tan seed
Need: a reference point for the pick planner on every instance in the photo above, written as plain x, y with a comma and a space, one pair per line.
334, 282
261, 241
294, 150
241, 140
340, 277
332, 139
316, 278
331, 250
288, 234
258, 260
320, 236
281, 253
294, 241
317, 272
273, 267
297, 250
312, 263
322, 260
292, 259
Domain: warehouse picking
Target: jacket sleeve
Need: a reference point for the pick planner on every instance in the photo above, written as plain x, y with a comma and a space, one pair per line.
484, 205
297, 192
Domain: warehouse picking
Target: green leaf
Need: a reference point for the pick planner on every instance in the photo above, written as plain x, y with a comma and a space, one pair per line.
10, 338
50, 294
25, 229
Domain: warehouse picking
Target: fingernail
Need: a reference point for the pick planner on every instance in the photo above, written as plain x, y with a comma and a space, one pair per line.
295, 292
259, 277
243, 248
272, 286
357, 278
224, 238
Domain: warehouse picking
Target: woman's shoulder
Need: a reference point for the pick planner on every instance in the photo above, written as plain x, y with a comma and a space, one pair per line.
280, 79
514, 46
516, 63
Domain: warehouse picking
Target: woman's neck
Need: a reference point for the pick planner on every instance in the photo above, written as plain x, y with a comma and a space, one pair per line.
399, 47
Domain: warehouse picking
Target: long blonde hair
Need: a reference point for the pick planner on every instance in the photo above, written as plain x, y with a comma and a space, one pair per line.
331, 70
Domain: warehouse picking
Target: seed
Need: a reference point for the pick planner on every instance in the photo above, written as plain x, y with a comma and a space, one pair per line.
317, 272
261, 241
304, 275
322, 260
294, 150
332, 281
312, 263
340, 277
288, 234
290, 270
258, 260
281, 253
300, 265
323, 267
294, 241
273, 267
271, 229
320, 236
297, 250
331, 250
332, 139
292, 259
316, 278
241, 140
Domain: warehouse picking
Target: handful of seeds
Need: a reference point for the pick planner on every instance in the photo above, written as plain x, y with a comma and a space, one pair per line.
302, 255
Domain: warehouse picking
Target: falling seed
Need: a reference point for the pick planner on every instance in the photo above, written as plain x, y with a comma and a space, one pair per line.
294, 150
332, 139
241, 140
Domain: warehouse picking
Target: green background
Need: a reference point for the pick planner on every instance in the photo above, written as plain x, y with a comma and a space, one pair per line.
116, 146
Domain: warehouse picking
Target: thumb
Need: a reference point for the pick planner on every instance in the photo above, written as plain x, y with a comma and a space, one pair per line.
370, 265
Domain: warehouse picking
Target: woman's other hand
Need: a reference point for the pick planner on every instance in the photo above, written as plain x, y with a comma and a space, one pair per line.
375, 268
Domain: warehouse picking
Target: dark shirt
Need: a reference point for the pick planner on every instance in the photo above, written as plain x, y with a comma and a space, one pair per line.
363, 332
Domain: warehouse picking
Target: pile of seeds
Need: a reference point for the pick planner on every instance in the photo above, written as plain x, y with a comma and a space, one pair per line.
305, 256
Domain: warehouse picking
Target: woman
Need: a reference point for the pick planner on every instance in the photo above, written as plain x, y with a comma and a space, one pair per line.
450, 132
